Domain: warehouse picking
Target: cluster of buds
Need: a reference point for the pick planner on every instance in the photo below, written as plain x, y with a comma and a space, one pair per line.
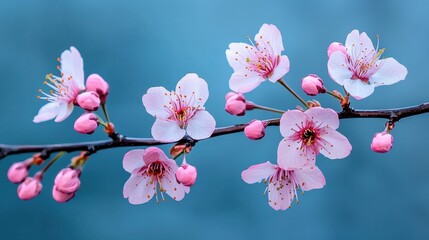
66, 183
96, 93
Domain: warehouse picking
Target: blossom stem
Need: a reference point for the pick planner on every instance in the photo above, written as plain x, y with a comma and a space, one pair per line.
393, 115
268, 109
58, 156
332, 94
293, 93
103, 106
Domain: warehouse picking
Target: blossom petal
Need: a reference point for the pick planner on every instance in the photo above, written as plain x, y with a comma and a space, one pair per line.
237, 55
256, 173
139, 189
337, 67
167, 131
290, 155
64, 111
47, 112
334, 145
358, 89
133, 160
281, 69
155, 101
309, 177
72, 65
174, 189
153, 154
290, 121
390, 72
323, 117
194, 89
201, 125
244, 81
270, 38
280, 196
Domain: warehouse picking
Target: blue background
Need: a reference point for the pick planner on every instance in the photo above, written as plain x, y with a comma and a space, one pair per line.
138, 44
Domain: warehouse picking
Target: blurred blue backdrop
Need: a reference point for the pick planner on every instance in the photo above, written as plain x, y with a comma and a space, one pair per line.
138, 44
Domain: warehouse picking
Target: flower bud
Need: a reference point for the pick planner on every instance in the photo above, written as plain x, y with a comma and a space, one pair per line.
66, 184
89, 101
312, 85
186, 174
382, 142
235, 104
336, 46
86, 123
30, 188
255, 130
96, 83
18, 172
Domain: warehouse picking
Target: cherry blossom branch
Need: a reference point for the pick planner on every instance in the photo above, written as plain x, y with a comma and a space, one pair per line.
119, 140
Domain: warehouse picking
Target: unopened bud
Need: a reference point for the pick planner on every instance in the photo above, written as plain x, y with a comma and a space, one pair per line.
382, 142
186, 175
89, 101
96, 83
336, 46
255, 130
86, 123
312, 85
30, 188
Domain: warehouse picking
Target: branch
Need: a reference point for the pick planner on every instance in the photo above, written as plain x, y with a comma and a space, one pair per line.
393, 115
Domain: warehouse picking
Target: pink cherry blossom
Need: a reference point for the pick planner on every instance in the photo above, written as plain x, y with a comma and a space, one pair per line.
382, 142
306, 134
283, 183
180, 112
151, 171
360, 69
18, 172
64, 89
254, 64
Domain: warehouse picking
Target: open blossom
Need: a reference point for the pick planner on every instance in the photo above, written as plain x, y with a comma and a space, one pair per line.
360, 69
284, 183
180, 112
64, 89
255, 63
306, 134
151, 171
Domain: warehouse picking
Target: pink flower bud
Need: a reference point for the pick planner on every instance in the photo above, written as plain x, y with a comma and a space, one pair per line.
30, 188
186, 174
382, 142
18, 172
89, 101
66, 184
96, 83
336, 46
312, 85
235, 104
255, 130
86, 123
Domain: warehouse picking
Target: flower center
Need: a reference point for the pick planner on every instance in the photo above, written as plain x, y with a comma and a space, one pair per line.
366, 65
63, 88
181, 107
308, 137
156, 170
261, 60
